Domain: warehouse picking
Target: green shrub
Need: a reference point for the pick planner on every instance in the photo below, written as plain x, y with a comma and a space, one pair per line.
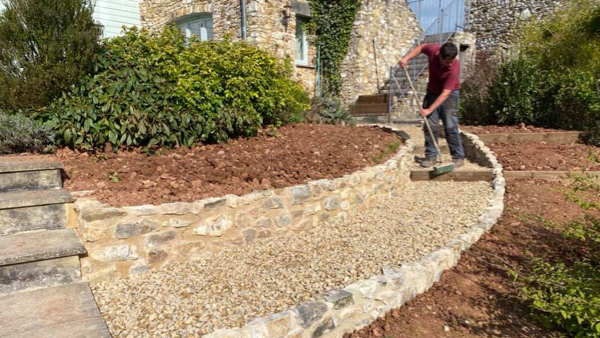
161, 90
474, 106
328, 110
46, 46
20, 134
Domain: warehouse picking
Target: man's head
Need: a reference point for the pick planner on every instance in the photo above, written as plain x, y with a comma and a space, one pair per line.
448, 53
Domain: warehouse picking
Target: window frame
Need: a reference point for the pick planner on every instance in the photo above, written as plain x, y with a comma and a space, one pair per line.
303, 61
183, 24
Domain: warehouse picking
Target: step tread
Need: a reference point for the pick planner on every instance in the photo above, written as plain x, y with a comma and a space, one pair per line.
66, 311
20, 199
12, 166
39, 245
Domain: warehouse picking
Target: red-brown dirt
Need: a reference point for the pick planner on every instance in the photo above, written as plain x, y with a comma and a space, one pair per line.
522, 128
478, 297
543, 156
291, 155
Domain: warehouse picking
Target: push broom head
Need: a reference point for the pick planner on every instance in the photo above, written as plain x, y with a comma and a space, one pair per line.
443, 168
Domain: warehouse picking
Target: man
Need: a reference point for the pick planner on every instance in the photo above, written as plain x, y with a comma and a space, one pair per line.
441, 100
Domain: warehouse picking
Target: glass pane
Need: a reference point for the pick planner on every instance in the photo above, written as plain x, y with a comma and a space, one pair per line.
300, 47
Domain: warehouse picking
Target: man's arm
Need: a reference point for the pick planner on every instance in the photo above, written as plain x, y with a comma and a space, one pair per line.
404, 61
440, 99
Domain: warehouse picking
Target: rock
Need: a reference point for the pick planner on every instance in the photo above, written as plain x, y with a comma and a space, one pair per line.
300, 194
278, 325
331, 203
273, 203
214, 228
311, 209
179, 223
157, 255
308, 313
326, 327
101, 214
213, 203
283, 220
115, 253
264, 222
126, 230
142, 210
179, 208
250, 235
160, 239
339, 298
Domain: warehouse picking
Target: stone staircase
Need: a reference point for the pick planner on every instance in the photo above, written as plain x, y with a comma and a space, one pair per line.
41, 290
374, 108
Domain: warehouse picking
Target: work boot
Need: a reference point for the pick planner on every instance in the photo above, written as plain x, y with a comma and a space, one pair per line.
428, 163
458, 162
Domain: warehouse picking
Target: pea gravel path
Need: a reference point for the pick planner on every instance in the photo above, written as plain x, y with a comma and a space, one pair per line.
233, 287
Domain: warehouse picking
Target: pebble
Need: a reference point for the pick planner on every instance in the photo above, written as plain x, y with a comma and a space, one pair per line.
238, 285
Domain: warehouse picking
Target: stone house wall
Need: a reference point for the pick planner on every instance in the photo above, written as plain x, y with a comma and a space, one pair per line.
395, 28
266, 26
494, 21
131, 240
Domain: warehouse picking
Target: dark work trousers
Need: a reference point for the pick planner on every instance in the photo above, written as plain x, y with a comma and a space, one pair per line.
448, 113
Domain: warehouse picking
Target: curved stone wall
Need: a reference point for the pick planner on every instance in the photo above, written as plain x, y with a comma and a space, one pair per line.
130, 240
357, 305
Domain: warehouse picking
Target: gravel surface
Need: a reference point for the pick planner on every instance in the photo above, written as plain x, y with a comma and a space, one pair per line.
235, 286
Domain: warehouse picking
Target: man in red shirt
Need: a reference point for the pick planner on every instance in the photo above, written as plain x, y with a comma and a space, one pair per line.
441, 100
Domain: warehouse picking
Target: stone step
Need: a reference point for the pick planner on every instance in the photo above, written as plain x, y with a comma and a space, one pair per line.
33, 210
39, 274
22, 175
66, 311
39, 245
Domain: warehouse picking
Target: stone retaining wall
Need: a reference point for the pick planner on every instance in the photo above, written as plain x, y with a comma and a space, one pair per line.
130, 240
342, 311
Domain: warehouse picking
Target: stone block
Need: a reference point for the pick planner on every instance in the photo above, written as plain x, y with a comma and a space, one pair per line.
155, 240
264, 222
275, 202
367, 288
339, 298
331, 203
250, 235
101, 214
214, 228
179, 223
309, 313
142, 210
126, 230
213, 203
156, 256
323, 328
179, 208
300, 194
284, 220
115, 253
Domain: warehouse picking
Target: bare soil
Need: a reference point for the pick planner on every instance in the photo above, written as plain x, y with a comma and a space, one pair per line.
288, 156
515, 129
542, 156
478, 297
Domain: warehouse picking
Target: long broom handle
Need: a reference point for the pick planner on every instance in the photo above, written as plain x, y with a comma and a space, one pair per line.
420, 108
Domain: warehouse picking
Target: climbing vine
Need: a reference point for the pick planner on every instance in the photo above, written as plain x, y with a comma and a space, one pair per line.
331, 28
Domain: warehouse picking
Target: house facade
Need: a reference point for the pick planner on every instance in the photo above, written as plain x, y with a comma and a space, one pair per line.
277, 26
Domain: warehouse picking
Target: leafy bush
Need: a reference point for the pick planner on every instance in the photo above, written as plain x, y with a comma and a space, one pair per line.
20, 134
161, 90
46, 46
566, 294
328, 110
474, 96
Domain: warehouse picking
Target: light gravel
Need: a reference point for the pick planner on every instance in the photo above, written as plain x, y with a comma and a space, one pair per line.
235, 286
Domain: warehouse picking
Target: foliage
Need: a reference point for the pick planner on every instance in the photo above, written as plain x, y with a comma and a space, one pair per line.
566, 294
328, 110
555, 80
45, 47
20, 134
331, 24
474, 96
162, 90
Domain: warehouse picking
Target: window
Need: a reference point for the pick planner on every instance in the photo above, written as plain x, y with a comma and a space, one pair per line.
200, 25
301, 43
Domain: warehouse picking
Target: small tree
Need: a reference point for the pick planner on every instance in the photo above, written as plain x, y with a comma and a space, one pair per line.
45, 47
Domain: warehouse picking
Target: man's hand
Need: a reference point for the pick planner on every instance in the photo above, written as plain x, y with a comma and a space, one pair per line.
403, 63
425, 112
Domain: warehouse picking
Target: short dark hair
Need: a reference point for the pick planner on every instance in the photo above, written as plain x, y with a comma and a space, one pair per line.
448, 51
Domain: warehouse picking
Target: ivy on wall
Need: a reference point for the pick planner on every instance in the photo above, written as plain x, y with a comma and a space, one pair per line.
331, 26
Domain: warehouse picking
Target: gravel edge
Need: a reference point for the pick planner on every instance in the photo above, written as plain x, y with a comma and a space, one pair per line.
357, 305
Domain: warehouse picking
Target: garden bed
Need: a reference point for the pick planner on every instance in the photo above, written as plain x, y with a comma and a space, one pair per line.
275, 159
517, 129
547, 157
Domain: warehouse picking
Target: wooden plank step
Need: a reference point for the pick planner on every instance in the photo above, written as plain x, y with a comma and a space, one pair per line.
525, 174
368, 109
66, 311
370, 99
558, 137
40, 245
456, 176
23, 199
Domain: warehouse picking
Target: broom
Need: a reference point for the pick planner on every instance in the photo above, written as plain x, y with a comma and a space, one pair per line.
443, 167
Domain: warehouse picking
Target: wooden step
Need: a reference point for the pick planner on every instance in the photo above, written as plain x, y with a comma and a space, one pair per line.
456, 176
39, 245
66, 311
33, 210
369, 109
370, 99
